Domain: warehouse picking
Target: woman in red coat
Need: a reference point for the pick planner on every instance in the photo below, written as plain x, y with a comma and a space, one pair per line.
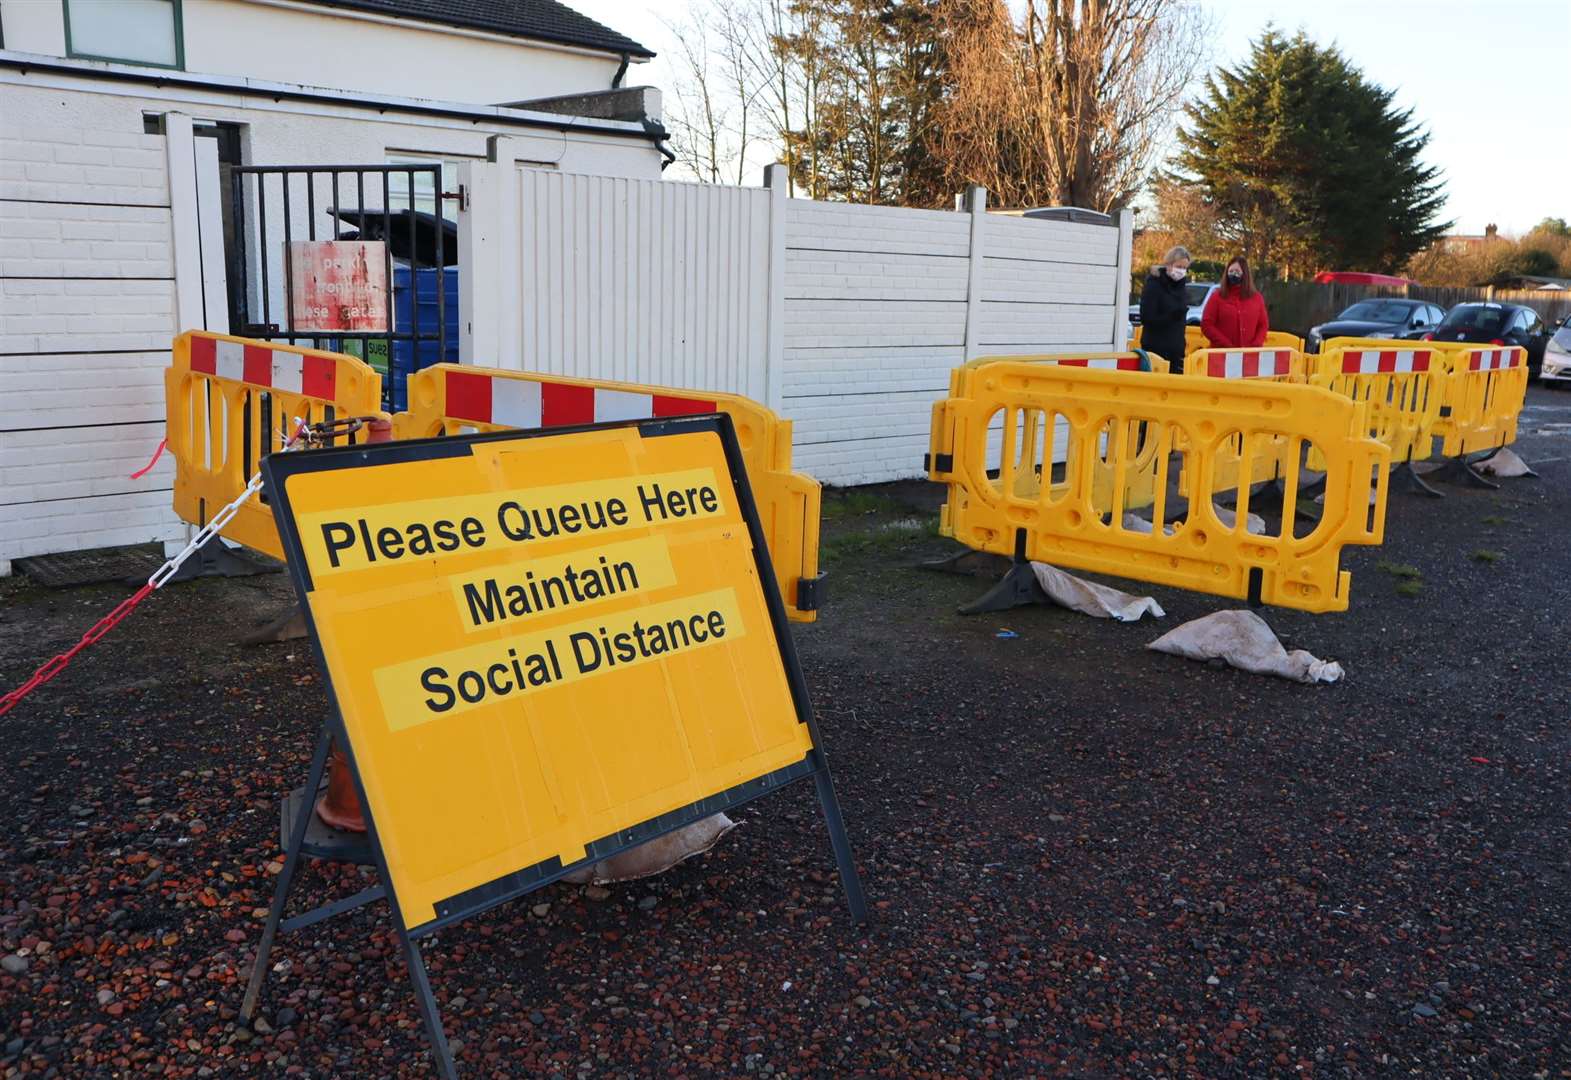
1235, 316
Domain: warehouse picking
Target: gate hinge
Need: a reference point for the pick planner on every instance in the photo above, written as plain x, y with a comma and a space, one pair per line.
461, 196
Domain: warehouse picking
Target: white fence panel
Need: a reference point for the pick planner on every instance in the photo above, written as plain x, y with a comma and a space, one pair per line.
644, 281
847, 319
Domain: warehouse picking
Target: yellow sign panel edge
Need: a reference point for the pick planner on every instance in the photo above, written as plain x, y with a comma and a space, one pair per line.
279, 467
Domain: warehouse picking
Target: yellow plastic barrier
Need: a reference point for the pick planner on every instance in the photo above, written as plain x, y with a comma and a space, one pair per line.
1268, 363
1486, 388
1065, 525
1403, 383
448, 398
1194, 338
232, 400
1139, 473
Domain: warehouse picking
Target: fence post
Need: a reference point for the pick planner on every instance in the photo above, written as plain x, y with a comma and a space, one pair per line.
776, 179
975, 200
180, 151
1122, 285
488, 240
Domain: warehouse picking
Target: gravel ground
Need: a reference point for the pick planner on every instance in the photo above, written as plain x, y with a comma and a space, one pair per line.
1083, 858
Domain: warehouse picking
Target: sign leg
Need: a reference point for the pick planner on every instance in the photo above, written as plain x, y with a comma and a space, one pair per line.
433, 1019
253, 989
840, 842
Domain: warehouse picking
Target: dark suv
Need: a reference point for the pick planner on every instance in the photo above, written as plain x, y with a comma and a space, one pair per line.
1496, 324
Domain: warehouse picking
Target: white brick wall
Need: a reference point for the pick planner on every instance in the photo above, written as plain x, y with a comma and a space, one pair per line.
86, 317
89, 523
74, 240
58, 390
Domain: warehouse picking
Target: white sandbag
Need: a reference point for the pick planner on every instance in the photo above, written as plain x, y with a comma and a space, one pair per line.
1089, 598
657, 856
1244, 641
1136, 523
1505, 463
1253, 523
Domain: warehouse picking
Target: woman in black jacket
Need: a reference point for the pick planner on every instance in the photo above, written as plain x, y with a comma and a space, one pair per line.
1164, 308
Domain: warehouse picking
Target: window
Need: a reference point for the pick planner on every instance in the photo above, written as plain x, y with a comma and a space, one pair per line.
129, 31
425, 196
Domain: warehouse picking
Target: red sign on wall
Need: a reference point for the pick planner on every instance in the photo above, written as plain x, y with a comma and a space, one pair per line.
338, 285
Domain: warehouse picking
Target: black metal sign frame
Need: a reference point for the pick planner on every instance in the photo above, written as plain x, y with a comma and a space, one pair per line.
298, 815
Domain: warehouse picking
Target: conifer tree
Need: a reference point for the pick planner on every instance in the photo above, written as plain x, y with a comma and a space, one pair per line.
1308, 165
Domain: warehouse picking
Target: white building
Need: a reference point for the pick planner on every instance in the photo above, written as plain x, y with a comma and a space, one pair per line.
124, 122
117, 120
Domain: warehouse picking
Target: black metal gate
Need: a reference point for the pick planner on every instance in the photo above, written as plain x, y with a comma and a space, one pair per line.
399, 208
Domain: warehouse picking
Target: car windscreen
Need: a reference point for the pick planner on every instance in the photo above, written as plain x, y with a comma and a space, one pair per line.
1563, 337
1196, 293
1483, 318
1385, 311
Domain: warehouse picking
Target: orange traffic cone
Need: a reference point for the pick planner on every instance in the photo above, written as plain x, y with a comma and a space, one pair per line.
340, 806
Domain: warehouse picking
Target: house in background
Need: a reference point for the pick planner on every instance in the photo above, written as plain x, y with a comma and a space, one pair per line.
121, 122
1455, 243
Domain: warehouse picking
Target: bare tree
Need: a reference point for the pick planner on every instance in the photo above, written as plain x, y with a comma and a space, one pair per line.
699, 118
736, 25
1067, 103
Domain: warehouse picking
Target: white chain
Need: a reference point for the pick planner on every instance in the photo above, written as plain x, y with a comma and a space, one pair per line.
162, 575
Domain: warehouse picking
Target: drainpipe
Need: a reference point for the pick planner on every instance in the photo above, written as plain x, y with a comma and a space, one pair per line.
659, 134
616, 80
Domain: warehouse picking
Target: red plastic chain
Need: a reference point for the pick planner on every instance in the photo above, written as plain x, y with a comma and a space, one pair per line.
54, 667
145, 469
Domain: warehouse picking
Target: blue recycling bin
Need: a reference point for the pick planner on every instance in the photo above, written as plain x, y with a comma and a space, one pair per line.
417, 310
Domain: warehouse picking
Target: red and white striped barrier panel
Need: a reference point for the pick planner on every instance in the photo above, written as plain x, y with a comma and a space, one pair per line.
527, 403
1248, 363
311, 374
1103, 363
1381, 361
1494, 359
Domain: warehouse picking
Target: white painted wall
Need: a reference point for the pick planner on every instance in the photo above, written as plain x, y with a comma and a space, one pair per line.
280, 41
88, 298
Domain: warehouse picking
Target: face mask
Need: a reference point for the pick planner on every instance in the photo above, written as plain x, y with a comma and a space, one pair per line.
1235, 276
1176, 273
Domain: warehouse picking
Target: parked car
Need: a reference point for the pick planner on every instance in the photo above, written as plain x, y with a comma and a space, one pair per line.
1197, 293
1496, 324
1556, 364
1379, 318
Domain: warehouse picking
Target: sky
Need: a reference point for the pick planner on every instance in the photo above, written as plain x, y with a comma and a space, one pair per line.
1489, 79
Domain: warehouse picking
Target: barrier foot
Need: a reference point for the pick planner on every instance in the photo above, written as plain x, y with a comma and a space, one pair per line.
290, 626
1017, 588
215, 559
1406, 479
968, 562
1459, 470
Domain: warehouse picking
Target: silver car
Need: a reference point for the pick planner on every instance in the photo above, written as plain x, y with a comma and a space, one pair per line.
1557, 357
1198, 293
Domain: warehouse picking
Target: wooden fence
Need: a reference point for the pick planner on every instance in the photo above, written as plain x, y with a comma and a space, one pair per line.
1295, 306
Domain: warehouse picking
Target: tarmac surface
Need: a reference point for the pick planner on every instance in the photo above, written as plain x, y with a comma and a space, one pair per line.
1082, 858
